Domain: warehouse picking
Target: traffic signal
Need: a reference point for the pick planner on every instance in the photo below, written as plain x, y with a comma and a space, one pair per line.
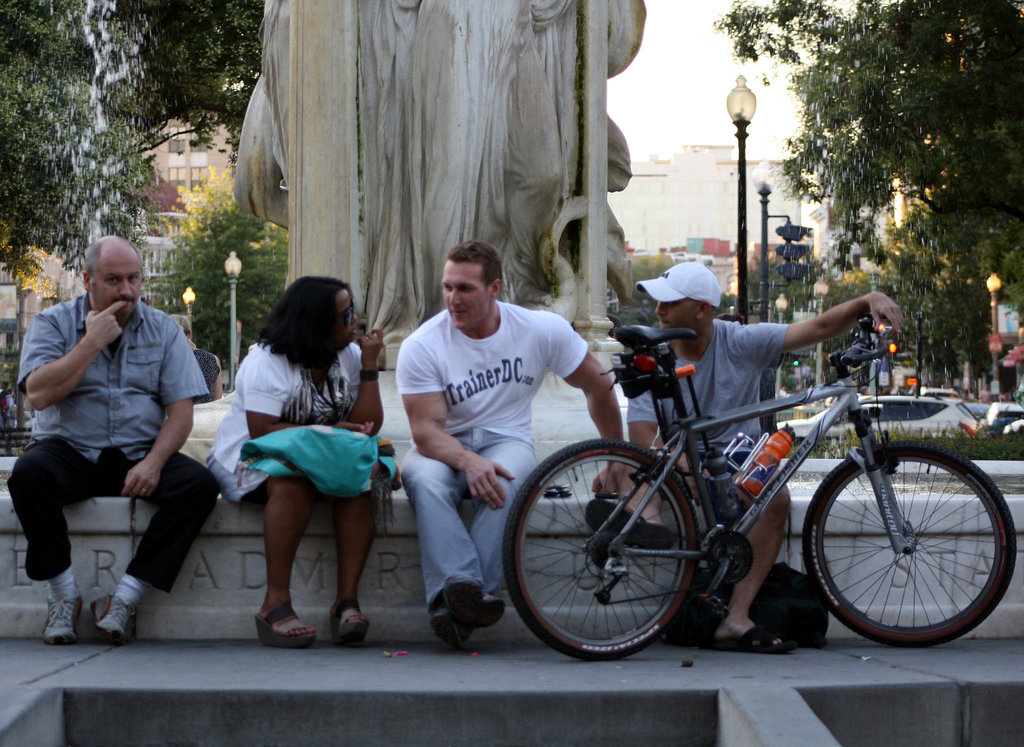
893, 348
790, 232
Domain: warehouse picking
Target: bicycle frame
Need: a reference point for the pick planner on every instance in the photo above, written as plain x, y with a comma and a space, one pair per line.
688, 430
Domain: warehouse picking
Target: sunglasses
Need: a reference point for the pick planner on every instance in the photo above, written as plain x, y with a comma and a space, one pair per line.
347, 316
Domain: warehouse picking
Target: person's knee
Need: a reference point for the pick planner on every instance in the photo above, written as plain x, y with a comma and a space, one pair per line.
31, 475
296, 490
429, 487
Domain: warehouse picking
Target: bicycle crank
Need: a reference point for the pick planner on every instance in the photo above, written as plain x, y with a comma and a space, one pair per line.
735, 547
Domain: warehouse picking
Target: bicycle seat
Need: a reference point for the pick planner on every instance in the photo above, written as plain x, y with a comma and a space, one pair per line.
645, 337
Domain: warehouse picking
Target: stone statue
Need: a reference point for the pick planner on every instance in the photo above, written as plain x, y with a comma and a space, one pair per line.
469, 129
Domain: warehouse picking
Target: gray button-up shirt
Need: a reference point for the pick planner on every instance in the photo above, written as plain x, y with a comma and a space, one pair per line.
119, 401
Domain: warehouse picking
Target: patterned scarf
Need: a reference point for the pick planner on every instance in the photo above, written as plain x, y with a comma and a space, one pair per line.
310, 406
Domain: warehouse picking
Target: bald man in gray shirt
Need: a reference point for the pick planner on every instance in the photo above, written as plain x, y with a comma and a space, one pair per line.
113, 382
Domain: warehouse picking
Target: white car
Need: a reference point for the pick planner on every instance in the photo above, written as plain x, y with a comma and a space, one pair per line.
1015, 427
903, 413
1001, 414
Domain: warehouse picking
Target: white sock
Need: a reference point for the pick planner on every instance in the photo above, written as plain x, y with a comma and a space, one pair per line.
131, 590
62, 586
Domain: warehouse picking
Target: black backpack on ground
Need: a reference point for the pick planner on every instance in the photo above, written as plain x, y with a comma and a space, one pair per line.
786, 605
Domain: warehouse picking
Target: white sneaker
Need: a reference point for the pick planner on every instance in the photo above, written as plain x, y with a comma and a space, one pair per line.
61, 616
115, 618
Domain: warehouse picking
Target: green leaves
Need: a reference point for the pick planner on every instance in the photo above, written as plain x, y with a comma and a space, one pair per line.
214, 227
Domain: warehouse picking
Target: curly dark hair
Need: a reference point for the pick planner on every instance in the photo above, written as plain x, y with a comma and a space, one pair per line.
302, 319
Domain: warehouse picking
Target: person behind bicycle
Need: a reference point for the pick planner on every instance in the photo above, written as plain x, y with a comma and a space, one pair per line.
729, 358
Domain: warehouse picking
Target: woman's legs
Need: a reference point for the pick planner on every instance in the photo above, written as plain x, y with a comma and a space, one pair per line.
353, 533
285, 518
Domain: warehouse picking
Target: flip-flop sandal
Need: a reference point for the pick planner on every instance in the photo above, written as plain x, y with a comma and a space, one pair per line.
353, 628
278, 637
757, 640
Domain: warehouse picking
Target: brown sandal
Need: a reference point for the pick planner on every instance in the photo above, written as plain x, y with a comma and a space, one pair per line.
279, 637
353, 628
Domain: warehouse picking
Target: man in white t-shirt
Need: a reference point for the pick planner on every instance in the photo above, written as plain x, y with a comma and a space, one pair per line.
467, 378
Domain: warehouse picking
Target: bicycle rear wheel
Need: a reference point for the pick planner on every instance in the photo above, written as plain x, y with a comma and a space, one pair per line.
577, 594
957, 571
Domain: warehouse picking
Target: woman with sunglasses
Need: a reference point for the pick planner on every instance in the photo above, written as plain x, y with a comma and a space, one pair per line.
305, 370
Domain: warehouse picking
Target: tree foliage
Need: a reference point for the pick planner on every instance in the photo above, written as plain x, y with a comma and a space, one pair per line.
913, 97
641, 310
87, 88
214, 227
916, 103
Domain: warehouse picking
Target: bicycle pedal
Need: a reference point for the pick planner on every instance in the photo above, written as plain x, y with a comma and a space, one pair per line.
713, 606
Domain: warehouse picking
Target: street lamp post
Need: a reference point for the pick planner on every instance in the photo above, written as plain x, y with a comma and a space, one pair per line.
189, 297
994, 284
233, 267
781, 304
820, 291
762, 183
741, 104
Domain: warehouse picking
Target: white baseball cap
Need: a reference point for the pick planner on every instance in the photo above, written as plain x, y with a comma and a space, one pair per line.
684, 280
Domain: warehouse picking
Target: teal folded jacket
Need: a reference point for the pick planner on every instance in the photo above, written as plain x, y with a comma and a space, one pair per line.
336, 461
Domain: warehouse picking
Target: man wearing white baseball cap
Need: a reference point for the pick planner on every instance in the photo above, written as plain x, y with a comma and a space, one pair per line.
685, 280
729, 358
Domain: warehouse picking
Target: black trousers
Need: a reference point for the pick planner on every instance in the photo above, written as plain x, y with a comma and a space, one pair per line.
51, 474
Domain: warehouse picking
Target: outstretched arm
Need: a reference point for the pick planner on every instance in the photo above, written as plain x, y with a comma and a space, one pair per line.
842, 318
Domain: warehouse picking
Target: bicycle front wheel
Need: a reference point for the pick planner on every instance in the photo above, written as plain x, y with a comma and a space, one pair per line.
961, 559
572, 588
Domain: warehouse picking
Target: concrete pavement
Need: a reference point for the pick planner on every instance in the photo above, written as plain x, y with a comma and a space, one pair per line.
230, 692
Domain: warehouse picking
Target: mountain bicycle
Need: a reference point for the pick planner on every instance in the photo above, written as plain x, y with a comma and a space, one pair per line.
907, 543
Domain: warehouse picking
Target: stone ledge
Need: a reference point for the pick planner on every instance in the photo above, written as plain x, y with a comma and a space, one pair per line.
220, 586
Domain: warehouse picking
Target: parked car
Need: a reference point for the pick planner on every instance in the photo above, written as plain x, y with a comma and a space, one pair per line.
1001, 414
932, 391
1016, 426
979, 410
905, 413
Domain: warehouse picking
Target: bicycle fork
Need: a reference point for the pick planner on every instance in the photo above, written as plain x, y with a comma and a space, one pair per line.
900, 532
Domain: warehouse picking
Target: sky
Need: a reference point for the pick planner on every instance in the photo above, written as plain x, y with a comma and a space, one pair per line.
674, 92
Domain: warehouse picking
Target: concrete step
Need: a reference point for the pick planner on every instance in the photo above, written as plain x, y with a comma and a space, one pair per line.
224, 693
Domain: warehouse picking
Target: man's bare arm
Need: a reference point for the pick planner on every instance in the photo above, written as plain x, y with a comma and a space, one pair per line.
53, 381
842, 318
427, 414
602, 404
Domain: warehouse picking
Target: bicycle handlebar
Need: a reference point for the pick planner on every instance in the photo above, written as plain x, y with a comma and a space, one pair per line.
868, 345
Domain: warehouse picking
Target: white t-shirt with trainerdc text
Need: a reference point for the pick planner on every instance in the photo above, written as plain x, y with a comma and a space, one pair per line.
489, 383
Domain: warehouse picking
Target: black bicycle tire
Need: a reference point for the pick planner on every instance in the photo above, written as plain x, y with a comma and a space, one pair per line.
518, 578
975, 609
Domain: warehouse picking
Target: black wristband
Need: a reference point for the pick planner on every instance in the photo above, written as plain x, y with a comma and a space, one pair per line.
370, 375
